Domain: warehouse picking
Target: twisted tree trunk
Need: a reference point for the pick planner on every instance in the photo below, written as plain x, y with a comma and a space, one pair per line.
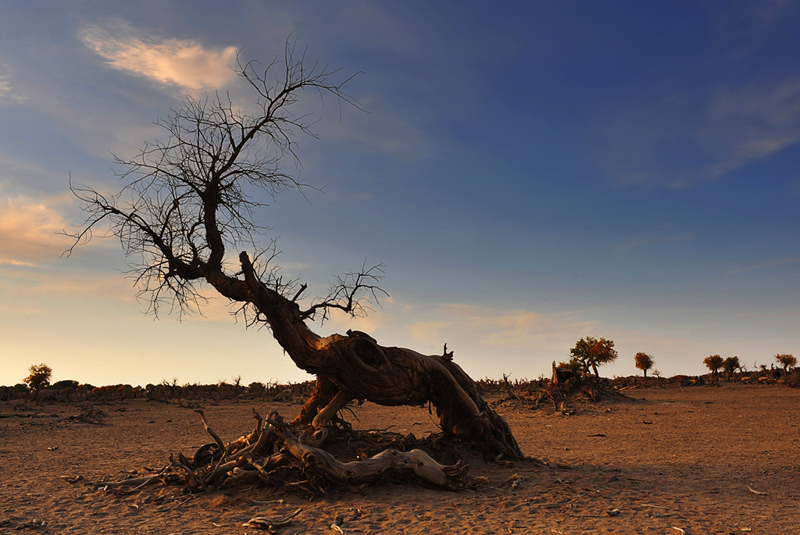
355, 366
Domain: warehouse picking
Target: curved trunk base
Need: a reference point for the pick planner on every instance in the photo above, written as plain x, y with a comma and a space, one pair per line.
358, 368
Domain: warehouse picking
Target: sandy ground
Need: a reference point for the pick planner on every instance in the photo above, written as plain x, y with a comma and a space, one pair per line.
694, 460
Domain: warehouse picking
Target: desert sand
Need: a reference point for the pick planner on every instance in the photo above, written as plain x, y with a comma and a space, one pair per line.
693, 460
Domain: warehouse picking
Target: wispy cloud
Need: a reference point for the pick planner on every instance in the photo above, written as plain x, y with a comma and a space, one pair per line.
8, 94
707, 131
520, 330
35, 284
743, 25
383, 129
675, 142
749, 123
684, 237
769, 11
766, 264
182, 62
29, 231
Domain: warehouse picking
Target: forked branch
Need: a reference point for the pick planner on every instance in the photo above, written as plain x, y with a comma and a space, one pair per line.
350, 294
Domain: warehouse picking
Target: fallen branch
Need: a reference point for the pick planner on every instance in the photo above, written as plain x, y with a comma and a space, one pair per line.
424, 468
136, 483
263, 522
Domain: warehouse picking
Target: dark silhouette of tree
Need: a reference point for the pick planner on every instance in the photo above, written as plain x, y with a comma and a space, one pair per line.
590, 352
39, 376
643, 361
189, 202
786, 360
713, 363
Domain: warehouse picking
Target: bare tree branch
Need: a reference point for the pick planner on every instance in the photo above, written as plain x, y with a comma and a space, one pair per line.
190, 197
350, 293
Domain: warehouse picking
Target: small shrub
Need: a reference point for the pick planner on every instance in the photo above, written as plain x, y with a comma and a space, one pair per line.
39, 376
731, 364
713, 363
787, 361
573, 366
643, 361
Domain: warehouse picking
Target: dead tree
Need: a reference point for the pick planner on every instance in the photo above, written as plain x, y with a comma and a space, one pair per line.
189, 199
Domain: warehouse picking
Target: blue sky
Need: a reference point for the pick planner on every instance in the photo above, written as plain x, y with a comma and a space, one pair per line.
530, 174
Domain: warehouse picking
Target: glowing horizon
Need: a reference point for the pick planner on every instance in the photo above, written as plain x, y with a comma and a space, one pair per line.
529, 176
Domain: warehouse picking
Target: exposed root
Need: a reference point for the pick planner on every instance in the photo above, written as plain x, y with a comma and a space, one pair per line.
89, 416
273, 455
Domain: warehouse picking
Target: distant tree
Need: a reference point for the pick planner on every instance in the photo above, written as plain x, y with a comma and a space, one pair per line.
572, 366
731, 364
713, 363
592, 352
787, 361
39, 376
643, 361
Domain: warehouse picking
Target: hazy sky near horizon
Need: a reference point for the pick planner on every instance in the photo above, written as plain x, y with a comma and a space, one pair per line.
530, 173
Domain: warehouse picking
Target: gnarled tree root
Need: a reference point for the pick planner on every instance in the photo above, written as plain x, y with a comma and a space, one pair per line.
384, 465
274, 455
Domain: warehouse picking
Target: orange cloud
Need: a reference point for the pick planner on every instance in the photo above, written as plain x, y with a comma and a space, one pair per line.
30, 231
491, 328
178, 62
29, 286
